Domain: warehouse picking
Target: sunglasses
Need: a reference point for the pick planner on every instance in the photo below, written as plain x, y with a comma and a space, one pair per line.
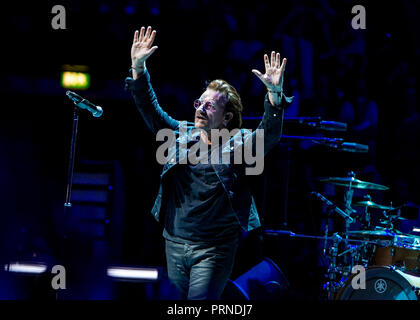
208, 105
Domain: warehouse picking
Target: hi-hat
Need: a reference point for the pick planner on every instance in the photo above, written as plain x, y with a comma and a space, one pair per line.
372, 204
394, 217
354, 183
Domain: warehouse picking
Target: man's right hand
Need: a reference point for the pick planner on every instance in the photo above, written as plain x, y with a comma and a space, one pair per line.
142, 49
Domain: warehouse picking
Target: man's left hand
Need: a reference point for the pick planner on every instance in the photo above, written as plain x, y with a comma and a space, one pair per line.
274, 73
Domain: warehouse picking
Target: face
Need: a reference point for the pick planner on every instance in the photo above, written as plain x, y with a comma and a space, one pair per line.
210, 113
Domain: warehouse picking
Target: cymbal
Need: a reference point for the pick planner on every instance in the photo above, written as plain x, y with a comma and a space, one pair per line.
397, 218
392, 218
372, 204
369, 233
408, 236
354, 183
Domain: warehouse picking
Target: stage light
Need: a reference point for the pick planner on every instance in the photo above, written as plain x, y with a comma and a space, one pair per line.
133, 273
75, 80
25, 268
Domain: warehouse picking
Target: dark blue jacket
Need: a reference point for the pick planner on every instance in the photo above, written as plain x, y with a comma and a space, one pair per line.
231, 176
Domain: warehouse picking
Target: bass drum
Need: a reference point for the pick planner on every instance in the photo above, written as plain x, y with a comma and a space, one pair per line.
382, 283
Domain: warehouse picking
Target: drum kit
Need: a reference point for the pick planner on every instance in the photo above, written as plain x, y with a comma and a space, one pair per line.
369, 258
376, 261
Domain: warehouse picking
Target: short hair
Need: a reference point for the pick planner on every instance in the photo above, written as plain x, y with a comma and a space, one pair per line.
233, 104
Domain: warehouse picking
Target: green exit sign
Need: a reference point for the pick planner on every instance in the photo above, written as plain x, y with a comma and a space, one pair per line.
75, 80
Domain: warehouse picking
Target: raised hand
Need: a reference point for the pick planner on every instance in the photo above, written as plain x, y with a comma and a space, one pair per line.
274, 72
142, 48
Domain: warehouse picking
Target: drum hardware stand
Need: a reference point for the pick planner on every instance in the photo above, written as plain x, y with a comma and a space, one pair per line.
346, 269
357, 256
332, 286
334, 270
367, 218
324, 251
387, 221
348, 197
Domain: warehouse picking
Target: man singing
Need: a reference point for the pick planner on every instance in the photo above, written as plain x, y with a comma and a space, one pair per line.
203, 206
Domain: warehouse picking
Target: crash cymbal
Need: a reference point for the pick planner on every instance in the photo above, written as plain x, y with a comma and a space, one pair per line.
354, 183
372, 204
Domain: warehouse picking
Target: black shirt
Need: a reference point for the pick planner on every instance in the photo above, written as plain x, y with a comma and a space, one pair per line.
197, 208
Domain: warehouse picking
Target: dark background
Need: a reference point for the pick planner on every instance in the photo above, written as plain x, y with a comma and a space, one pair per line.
366, 78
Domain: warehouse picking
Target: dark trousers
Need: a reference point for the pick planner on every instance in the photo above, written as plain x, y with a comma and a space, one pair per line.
200, 272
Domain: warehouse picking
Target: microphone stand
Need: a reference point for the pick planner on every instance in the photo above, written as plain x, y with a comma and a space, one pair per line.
67, 203
65, 254
96, 111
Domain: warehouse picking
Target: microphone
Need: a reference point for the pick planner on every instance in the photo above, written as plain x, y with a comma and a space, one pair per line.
85, 104
332, 205
338, 144
333, 125
353, 147
277, 232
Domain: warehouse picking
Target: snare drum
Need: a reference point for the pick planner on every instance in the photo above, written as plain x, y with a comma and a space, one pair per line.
382, 283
